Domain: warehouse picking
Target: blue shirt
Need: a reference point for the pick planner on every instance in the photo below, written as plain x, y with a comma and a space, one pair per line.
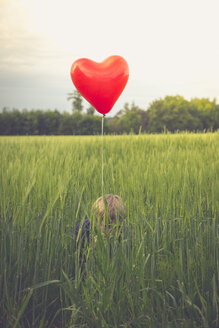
84, 233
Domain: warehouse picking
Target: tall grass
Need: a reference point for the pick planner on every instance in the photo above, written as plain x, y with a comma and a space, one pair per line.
165, 270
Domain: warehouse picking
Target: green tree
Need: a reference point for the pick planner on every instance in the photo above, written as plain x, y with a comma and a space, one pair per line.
52, 122
113, 125
206, 110
129, 119
216, 118
171, 113
130, 122
66, 124
143, 116
76, 98
90, 110
91, 125
5, 122
124, 110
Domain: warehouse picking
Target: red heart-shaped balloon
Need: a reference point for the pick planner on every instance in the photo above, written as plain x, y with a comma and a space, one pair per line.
100, 84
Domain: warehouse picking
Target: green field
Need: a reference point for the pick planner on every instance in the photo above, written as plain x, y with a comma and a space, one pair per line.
165, 270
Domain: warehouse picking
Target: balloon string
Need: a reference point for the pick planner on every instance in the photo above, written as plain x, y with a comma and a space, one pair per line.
102, 153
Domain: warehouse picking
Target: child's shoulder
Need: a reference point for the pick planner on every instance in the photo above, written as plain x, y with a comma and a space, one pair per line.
84, 226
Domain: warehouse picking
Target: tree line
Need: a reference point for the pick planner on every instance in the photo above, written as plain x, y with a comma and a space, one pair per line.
172, 113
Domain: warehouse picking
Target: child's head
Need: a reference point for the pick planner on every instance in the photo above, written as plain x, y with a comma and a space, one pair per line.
114, 213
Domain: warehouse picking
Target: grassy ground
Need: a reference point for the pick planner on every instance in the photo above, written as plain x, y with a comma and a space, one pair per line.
165, 270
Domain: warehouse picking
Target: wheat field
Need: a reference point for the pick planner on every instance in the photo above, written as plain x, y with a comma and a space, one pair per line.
165, 270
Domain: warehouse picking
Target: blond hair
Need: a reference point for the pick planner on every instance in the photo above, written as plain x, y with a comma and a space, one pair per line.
115, 207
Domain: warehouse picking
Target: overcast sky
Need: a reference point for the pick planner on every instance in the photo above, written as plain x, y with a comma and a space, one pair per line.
171, 46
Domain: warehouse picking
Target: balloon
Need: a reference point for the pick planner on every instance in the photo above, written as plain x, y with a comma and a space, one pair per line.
100, 84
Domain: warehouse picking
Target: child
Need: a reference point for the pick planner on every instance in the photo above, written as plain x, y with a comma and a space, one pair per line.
108, 212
